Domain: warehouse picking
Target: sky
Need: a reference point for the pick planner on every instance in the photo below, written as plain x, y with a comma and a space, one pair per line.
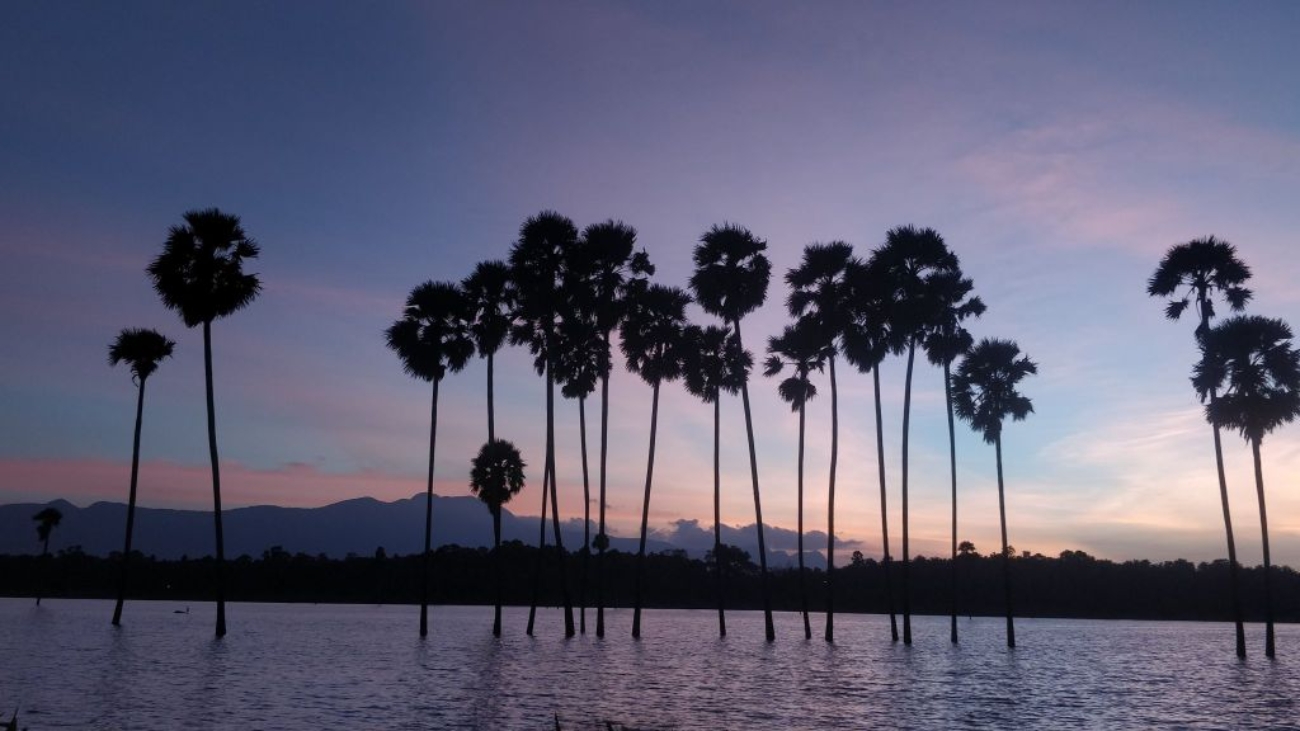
1060, 148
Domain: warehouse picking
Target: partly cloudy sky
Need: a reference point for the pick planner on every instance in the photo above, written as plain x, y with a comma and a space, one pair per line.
1060, 148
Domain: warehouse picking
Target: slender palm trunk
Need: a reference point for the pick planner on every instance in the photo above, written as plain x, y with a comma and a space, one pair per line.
952, 460
803, 590
1268, 564
496, 559
830, 508
541, 548
45, 559
492, 429
758, 505
428, 516
586, 518
907, 554
1006, 555
645, 515
216, 482
719, 566
886, 559
130, 507
555, 504
604, 452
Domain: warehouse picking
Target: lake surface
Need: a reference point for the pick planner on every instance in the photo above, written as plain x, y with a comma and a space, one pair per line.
291, 667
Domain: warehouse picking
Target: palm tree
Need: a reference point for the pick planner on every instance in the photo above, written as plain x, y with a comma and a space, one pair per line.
868, 338
1251, 358
653, 345
496, 475
801, 347
984, 394
715, 362
910, 262
730, 281
142, 350
1198, 272
431, 338
489, 295
819, 292
537, 265
944, 344
200, 274
46, 521
602, 271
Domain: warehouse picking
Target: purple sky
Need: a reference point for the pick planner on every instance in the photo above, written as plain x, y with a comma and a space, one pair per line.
1060, 149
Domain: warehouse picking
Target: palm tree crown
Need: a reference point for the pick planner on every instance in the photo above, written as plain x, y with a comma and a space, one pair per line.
497, 473
200, 271
818, 286
434, 332
490, 298
912, 264
714, 362
1201, 267
46, 521
602, 268
1253, 360
537, 265
141, 348
869, 333
802, 348
984, 387
731, 272
948, 340
652, 333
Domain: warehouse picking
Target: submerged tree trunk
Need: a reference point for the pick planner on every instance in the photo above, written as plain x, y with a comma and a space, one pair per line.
220, 569
758, 505
886, 559
496, 559
45, 559
645, 515
541, 549
1006, 555
803, 590
952, 460
830, 508
718, 564
555, 504
130, 507
907, 554
428, 518
1268, 564
586, 518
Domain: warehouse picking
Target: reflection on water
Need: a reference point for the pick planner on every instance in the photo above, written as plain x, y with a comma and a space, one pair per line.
311, 667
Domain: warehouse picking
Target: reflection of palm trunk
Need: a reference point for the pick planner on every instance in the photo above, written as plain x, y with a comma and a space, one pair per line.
830, 509
1268, 565
604, 451
216, 479
586, 517
718, 564
803, 591
496, 553
645, 515
884, 507
952, 458
758, 505
45, 560
1006, 555
555, 505
130, 507
428, 518
907, 416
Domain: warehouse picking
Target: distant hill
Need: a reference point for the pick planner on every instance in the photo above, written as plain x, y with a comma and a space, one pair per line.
353, 526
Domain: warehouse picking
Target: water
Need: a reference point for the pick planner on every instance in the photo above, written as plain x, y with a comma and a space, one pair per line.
352, 667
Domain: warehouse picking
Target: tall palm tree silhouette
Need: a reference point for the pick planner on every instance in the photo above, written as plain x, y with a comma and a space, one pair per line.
46, 521
715, 362
431, 338
730, 281
537, 263
200, 274
944, 344
142, 350
868, 338
1196, 273
490, 297
653, 344
1252, 360
910, 261
984, 394
800, 346
604, 269
819, 292
496, 475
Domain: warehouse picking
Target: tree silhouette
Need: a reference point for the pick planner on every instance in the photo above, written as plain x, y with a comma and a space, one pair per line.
142, 350
497, 475
200, 274
944, 344
431, 338
910, 262
730, 281
46, 521
819, 292
1252, 360
653, 344
801, 347
715, 362
537, 264
490, 298
984, 394
1196, 273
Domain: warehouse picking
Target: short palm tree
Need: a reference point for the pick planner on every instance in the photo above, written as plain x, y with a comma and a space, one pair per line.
715, 362
653, 345
142, 350
943, 345
537, 266
1198, 272
200, 274
489, 295
496, 475
910, 262
46, 521
801, 347
431, 338
819, 292
984, 394
1251, 359
730, 281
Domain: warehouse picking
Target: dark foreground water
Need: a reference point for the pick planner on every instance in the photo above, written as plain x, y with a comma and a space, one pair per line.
362, 667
